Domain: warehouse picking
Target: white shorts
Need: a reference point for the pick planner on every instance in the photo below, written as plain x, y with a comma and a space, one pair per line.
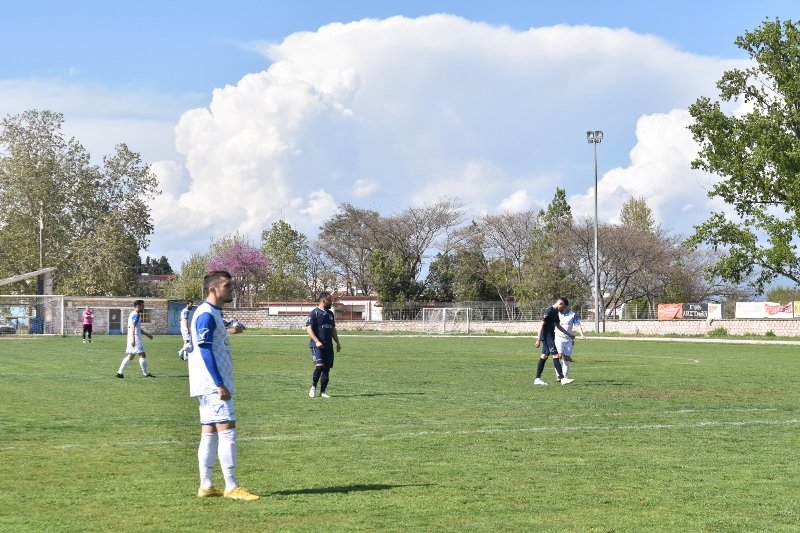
564, 346
139, 348
213, 410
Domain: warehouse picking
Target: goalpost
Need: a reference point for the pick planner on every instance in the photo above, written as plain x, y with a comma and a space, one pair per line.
442, 320
31, 314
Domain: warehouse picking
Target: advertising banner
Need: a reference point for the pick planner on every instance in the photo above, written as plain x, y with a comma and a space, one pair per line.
686, 311
764, 310
670, 311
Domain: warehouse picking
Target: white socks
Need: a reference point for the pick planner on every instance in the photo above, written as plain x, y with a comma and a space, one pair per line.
206, 456
143, 364
565, 367
227, 457
122, 365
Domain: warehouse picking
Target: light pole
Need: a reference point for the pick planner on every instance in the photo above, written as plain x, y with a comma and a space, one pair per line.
595, 138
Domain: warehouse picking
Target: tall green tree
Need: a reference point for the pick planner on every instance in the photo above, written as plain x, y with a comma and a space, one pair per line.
49, 180
188, 282
637, 215
758, 156
287, 250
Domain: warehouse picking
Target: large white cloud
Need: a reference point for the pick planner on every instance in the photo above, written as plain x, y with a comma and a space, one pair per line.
386, 113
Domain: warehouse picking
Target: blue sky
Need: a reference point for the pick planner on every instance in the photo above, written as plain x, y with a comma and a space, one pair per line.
253, 111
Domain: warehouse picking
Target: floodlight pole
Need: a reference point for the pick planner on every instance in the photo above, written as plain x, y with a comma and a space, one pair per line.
595, 138
41, 231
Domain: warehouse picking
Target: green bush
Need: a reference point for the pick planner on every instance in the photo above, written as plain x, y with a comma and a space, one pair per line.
718, 332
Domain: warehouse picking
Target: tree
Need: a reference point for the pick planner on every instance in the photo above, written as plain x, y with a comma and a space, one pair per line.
246, 264
105, 262
758, 156
287, 250
48, 179
784, 294
636, 214
388, 272
439, 285
347, 239
188, 282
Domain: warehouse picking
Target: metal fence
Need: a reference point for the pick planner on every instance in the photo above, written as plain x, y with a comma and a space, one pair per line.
30, 314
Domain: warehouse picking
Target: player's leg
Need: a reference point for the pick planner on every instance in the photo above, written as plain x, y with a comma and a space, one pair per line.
206, 457
540, 367
326, 371
125, 360
319, 363
143, 365
83, 336
89, 331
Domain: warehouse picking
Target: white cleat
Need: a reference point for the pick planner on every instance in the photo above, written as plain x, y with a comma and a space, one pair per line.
566, 381
538, 381
323, 395
312, 392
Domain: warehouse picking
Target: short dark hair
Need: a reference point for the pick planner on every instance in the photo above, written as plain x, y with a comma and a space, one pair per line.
566, 302
213, 278
189, 302
323, 295
137, 303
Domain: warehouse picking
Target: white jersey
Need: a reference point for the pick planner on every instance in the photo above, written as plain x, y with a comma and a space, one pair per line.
185, 323
134, 334
567, 321
208, 332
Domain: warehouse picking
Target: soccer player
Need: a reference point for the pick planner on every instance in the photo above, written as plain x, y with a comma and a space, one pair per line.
547, 340
568, 319
186, 312
321, 329
135, 345
211, 382
88, 317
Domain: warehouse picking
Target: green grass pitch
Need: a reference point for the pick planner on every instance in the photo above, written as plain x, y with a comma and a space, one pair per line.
422, 434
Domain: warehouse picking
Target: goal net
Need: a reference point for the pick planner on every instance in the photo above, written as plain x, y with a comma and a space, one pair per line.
441, 320
24, 314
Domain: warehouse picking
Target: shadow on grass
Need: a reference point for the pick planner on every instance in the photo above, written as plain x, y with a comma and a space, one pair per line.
346, 489
606, 382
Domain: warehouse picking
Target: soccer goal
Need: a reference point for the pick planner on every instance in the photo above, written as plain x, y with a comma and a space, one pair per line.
22, 314
442, 320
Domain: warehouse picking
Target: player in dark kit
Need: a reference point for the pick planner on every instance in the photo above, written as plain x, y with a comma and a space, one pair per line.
321, 329
547, 340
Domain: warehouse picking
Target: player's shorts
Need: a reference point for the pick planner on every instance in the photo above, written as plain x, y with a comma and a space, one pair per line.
139, 348
549, 344
564, 345
87, 328
215, 411
322, 356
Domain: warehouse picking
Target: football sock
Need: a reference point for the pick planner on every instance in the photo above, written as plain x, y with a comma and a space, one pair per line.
565, 367
557, 364
122, 365
324, 382
317, 373
540, 367
206, 455
143, 365
227, 457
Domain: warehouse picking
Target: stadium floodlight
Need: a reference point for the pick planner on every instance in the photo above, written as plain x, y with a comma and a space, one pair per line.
595, 138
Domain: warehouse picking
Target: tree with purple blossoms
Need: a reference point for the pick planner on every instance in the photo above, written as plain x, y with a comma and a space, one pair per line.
246, 264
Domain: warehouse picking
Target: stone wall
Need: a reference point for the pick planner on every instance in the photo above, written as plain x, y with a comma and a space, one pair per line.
156, 312
258, 318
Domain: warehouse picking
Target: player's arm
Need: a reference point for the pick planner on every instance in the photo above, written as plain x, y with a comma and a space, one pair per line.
564, 331
148, 335
580, 328
336, 339
539, 334
314, 338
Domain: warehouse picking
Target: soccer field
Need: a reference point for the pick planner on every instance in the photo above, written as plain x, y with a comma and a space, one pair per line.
421, 434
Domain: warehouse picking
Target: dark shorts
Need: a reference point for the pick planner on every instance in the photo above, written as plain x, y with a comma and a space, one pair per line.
549, 344
322, 356
87, 328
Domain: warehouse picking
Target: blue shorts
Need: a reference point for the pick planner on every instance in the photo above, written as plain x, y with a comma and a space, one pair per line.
322, 356
549, 344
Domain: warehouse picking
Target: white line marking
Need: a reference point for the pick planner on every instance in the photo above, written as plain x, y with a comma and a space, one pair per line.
483, 431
